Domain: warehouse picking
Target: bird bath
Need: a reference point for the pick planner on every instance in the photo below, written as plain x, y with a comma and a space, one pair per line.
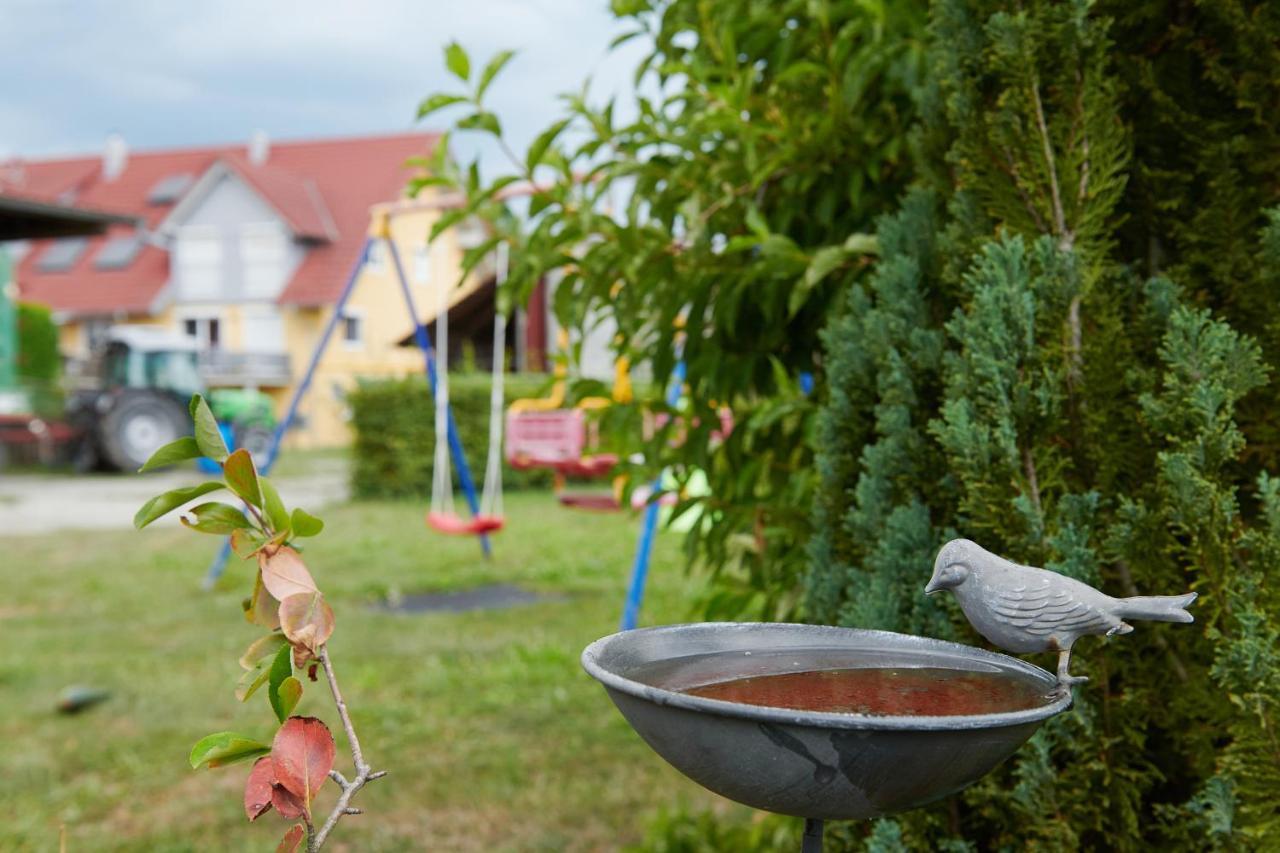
822, 764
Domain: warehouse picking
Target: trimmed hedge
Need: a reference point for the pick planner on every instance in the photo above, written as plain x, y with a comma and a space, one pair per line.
394, 423
39, 363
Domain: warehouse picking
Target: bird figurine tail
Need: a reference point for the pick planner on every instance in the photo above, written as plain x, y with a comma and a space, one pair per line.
1157, 608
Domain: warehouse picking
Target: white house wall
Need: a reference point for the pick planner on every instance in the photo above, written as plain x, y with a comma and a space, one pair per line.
226, 210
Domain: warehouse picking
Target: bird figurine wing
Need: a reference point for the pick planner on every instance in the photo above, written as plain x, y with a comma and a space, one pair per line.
1042, 610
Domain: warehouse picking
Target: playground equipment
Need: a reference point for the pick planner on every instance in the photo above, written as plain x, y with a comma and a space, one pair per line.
380, 229
542, 433
442, 517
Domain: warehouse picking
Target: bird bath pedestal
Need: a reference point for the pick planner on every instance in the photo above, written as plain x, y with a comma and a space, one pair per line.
817, 764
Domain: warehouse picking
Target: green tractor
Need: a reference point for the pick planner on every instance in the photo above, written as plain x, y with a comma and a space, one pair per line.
144, 379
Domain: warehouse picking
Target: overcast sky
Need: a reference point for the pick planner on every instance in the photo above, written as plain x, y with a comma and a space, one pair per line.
190, 73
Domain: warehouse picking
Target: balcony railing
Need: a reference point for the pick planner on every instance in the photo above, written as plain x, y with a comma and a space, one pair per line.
262, 369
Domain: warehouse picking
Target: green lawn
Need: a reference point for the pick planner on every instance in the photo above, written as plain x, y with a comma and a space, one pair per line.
495, 738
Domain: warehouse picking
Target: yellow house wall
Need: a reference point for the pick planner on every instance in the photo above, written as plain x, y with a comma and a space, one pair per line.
377, 299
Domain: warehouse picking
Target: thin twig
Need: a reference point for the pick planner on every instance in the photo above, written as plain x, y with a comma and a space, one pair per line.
1033, 482
315, 840
1065, 237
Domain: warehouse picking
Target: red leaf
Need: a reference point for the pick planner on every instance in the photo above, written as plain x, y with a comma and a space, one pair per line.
292, 839
289, 805
284, 574
302, 755
257, 789
307, 620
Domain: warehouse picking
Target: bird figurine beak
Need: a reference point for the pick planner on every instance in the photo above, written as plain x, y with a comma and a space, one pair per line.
932, 586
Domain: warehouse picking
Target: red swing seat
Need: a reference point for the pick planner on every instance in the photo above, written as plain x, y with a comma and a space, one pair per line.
455, 525
554, 440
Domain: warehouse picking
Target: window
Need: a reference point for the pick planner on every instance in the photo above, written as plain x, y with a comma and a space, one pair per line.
263, 329
118, 252
422, 264
377, 258
198, 260
169, 189
62, 255
264, 254
353, 329
207, 331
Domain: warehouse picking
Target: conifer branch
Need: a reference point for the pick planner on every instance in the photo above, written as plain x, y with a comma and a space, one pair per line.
1033, 482
1065, 237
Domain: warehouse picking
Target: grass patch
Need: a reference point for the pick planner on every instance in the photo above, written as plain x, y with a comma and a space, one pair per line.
495, 738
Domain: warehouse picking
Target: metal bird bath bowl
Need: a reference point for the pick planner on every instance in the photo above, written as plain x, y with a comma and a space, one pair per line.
810, 764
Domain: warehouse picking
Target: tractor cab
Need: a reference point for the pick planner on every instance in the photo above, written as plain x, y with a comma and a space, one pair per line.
142, 381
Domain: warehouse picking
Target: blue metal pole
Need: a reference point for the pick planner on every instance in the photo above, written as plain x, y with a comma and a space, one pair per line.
219, 564
649, 527
428, 353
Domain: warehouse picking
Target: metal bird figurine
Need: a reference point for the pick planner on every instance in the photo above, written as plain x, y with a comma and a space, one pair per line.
1023, 609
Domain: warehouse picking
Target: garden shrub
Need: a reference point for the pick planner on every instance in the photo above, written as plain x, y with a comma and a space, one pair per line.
1064, 354
394, 423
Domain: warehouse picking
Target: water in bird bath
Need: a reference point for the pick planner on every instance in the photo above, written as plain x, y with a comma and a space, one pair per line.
828, 682
915, 692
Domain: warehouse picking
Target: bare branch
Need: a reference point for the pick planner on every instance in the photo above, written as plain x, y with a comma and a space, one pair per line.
316, 840
1065, 237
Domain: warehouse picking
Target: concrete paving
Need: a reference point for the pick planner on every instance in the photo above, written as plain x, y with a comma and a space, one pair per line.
47, 503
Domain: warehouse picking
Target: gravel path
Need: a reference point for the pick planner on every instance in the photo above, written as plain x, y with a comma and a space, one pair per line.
47, 503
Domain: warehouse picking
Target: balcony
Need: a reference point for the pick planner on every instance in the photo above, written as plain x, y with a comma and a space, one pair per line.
254, 369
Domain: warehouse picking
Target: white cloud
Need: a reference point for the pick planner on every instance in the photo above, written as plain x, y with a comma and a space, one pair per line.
190, 73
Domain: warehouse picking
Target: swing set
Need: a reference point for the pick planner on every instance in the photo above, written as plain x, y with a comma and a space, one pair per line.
485, 512
540, 433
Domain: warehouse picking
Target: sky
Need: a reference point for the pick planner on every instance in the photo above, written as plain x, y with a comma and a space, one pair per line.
166, 74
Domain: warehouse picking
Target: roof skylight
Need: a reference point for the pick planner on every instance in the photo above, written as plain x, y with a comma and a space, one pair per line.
62, 254
169, 189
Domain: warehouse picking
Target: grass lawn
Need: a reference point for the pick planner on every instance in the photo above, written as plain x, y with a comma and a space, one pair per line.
495, 738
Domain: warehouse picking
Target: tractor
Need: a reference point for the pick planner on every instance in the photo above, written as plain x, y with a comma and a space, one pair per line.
143, 379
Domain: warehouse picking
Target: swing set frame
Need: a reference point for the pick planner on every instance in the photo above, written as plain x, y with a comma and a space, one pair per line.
379, 230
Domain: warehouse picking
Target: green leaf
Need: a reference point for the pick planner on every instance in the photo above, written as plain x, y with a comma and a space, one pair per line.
457, 61
175, 451
222, 748
540, 145
169, 501
277, 515
262, 648
281, 669
289, 693
491, 70
304, 523
482, 120
254, 678
208, 436
824, 260
439, 101
246, 542
216, 517
242, 477
862, 244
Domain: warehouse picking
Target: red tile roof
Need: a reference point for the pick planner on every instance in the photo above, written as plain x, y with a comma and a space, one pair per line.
323, 189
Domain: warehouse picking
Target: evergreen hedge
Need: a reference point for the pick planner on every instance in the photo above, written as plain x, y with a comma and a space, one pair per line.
1067, 352
394, 424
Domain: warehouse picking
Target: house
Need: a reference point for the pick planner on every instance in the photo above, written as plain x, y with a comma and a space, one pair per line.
246, 249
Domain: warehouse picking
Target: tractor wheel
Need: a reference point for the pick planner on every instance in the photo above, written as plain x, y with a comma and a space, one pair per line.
138, 425
256, 439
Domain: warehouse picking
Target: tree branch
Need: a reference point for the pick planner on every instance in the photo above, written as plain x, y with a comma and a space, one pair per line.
1065, 237
1033, 482
315, 840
